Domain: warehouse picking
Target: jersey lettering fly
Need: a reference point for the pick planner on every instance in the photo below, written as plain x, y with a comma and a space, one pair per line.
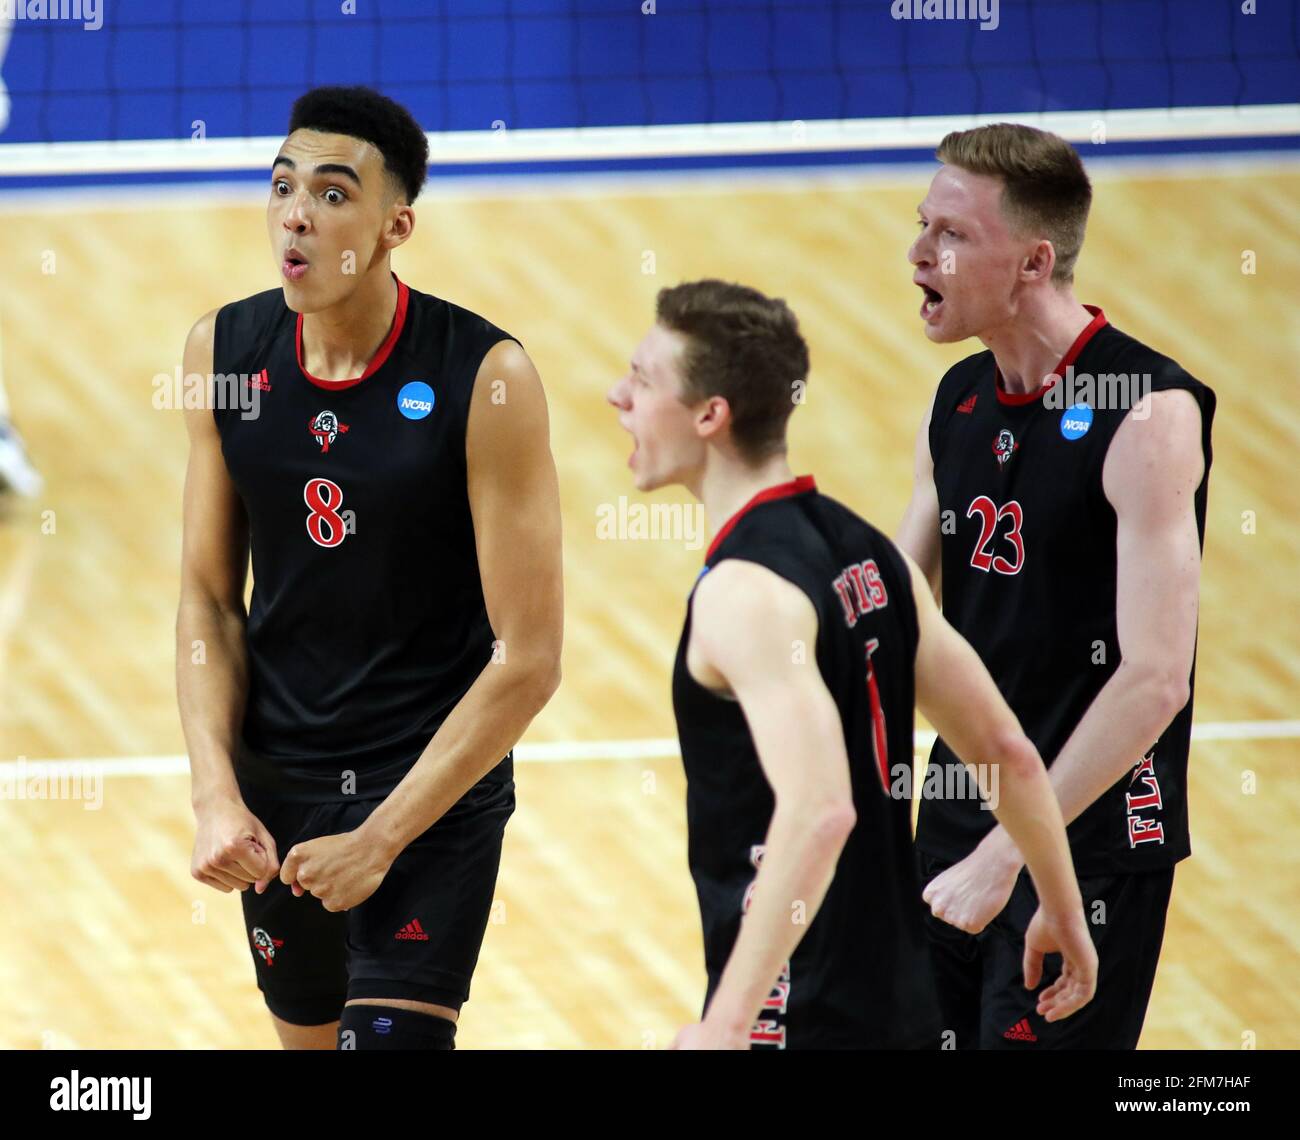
1029, 579
860, 976
367, 622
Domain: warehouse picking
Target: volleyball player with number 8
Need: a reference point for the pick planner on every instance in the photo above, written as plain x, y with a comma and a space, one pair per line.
388, 462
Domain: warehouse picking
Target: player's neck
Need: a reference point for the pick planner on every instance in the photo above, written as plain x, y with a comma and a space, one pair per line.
338, 342
725, 487
1030, 345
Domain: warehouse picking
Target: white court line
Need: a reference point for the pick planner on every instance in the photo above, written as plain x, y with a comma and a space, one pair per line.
568, 751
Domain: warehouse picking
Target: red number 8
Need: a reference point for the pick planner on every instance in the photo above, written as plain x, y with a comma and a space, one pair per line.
324, 511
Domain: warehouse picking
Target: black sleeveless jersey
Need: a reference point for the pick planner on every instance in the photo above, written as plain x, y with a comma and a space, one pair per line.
1029, 578
860, 977
367, 622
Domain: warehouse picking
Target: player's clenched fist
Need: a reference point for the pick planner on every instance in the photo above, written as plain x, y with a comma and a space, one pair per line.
341, 870
232, 849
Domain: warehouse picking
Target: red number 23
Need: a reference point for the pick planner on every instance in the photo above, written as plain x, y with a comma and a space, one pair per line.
990, 515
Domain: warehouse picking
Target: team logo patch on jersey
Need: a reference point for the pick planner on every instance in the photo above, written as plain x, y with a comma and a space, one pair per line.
415, 400
265, 945
1075, 421
1004, 446
326, 428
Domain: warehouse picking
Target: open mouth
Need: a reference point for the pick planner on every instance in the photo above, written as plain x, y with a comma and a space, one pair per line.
933, 300
294, 266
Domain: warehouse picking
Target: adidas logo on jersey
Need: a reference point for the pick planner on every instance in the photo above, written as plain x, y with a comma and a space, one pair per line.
968, 405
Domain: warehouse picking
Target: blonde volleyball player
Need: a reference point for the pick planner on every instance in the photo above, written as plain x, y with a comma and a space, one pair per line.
1059, 509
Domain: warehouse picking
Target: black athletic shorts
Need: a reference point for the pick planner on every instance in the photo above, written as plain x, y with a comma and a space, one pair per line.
417, 937
981, 982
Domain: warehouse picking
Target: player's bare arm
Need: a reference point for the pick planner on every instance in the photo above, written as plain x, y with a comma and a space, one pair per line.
918, 533
1153, 467
231, 849
957, 695
514, 498
746, 624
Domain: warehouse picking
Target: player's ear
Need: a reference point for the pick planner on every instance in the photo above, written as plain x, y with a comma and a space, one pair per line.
1040, 262
400, 223
713, 416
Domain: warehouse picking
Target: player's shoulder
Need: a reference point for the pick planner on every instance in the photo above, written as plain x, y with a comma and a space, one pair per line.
960, 383
744, 594
1166, 401
444, 317
244, 326
848, 522
780, 525
239, 318
266, 305
810, 538
1116, 351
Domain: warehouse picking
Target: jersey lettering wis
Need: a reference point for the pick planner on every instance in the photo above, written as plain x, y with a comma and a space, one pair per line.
367, 622
1029, 578
860, 976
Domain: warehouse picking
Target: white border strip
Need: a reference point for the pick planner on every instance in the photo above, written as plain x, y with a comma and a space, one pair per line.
608, 183
606, 143
568, 751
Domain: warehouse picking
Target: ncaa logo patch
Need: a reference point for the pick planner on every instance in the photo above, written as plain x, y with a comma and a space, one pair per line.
415, 400
1075, 421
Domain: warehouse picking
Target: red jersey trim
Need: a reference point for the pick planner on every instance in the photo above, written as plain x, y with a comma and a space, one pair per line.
1072, 354
377, 361
796, 486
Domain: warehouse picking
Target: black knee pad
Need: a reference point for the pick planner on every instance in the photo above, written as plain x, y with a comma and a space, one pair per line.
391, 1027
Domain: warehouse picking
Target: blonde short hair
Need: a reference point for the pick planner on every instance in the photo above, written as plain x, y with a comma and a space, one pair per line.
1045, 188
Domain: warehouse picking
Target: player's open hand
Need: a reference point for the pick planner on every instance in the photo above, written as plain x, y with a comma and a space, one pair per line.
341, 870
232, 850
1066, 935
971, 894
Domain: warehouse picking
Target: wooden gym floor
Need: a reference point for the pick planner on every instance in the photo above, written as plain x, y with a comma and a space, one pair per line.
109, 943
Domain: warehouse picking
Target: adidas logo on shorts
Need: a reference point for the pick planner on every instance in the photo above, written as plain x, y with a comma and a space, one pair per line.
1020, 1031
413, 932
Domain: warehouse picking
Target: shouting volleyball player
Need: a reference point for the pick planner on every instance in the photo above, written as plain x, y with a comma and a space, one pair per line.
807, 636
1059, 510
350, 737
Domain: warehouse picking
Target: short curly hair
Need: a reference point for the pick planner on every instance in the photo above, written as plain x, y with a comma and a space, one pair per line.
364, 113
